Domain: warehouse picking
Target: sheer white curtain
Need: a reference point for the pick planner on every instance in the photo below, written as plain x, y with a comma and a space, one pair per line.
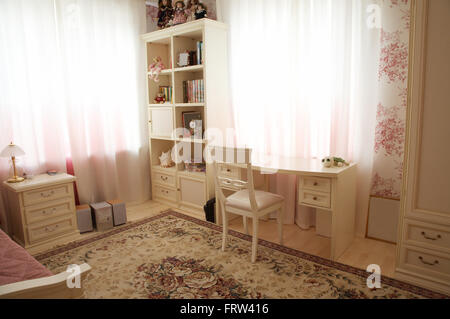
303, 82
72, 89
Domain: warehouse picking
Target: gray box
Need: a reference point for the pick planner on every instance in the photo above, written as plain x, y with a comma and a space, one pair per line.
84, 218
119, 211
102, 216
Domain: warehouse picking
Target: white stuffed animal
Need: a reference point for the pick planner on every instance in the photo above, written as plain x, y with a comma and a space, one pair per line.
331, 161
166, 160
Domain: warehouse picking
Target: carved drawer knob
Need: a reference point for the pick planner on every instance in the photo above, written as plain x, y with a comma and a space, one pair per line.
315, 184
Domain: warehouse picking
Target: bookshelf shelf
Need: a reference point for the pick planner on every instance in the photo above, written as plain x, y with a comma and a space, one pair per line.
192, 68
209, 103
161, 105
189, 104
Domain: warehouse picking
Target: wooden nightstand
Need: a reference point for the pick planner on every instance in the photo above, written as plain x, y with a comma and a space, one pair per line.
42, 211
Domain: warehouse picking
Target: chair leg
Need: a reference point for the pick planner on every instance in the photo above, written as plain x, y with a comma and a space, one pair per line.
255, 238
244, 218
280, 223
225, 228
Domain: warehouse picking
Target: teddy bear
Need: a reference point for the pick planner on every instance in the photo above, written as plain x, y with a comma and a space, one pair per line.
159, 99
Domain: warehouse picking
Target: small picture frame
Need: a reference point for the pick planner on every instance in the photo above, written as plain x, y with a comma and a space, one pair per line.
193, 124
183, 59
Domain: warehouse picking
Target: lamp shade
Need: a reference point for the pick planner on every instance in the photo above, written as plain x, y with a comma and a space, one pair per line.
12, 150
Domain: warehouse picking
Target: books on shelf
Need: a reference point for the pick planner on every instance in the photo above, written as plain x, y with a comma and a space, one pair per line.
195, 167
194, 91
199, 52
168, 93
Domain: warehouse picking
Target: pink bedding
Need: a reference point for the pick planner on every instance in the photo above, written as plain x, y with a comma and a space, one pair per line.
16, 264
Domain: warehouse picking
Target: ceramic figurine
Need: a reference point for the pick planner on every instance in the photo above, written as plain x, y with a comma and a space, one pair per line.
200, 12
165, 13
331, 161
166, 160
179, 15
155, 69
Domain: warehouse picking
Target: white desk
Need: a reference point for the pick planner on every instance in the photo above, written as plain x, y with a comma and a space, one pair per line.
328, 190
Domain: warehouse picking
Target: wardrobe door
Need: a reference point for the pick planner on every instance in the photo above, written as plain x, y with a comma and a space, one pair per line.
423, 254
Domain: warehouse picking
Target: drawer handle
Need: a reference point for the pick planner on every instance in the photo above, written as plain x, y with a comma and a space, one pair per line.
47, 195
315, 183
424, 234
45, 212
164, 178
164, 191
228, 170
49, 230
314, 198
427, 262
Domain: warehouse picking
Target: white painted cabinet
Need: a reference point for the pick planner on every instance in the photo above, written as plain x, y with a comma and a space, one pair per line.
423, 253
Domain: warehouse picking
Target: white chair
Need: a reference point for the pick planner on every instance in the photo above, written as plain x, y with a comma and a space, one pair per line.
246, 201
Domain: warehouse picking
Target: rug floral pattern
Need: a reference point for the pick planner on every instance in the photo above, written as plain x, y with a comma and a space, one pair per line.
176, 256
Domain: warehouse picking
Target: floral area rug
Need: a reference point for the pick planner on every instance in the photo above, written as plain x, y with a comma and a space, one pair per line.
176, 256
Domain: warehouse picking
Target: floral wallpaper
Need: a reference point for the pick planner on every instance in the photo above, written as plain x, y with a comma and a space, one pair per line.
391, 111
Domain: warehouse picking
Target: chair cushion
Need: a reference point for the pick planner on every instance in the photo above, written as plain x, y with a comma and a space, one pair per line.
263, 199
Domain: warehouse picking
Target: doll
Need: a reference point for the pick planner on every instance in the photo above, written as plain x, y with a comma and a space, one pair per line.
155, 69
164, 13
179, 14
200, 12
191, 7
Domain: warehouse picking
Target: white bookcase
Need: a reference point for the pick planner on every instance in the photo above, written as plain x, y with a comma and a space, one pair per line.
175, 186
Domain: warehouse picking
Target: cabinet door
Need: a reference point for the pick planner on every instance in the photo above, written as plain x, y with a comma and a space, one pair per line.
192, 192
161, 122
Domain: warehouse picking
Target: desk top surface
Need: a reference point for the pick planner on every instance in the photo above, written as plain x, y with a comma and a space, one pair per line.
269, 164
38, 181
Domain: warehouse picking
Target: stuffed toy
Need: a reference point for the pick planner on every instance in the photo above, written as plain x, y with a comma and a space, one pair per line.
165, 13
159, 99
166, 160
331, 161
179, 16
200, 13
155, 69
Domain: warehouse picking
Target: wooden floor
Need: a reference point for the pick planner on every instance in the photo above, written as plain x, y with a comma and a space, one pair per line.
361, 253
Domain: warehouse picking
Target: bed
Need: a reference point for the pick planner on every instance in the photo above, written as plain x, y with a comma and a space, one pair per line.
22, 276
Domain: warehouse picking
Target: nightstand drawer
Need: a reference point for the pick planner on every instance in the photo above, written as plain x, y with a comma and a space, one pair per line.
317, 184
314, 198
427, 235
46, 194
51, 209
426, 262
51, 229
164, 179
167, 193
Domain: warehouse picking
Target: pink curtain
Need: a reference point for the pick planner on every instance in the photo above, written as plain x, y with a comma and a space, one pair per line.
303, 78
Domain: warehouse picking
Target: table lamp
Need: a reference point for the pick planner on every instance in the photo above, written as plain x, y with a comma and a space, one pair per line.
12, 151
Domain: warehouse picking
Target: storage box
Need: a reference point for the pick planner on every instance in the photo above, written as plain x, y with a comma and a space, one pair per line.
119, 211
103, 218
84, 218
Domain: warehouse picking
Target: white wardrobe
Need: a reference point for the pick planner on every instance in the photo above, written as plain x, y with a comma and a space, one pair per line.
423, 254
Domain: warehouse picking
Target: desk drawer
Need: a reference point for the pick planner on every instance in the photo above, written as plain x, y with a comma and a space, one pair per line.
164, 179
51, 229
228, 171
50, 209
428, 235
166, 193
426, 262
314, 198
317, 184
47, 194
